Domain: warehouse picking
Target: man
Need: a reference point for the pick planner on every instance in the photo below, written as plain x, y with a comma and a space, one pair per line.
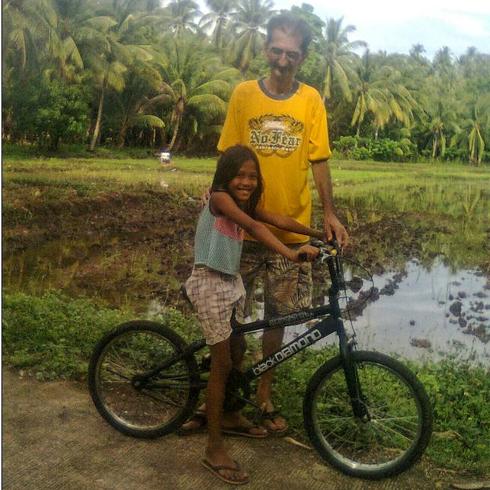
285, 122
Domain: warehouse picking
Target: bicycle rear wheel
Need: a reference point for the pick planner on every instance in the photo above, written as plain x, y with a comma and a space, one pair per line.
156, 406
393, 434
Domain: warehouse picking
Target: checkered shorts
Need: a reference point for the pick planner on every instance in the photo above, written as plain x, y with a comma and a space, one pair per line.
214, 295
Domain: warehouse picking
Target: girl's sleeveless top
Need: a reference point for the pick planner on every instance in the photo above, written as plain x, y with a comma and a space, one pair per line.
218, 243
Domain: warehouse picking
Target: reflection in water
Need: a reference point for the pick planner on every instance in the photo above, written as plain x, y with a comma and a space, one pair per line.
432, 314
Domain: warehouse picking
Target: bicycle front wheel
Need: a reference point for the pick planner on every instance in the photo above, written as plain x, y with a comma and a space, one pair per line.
392, 434
161, 402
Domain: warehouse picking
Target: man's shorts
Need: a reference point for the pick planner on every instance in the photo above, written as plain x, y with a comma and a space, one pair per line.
287, 285
214, 295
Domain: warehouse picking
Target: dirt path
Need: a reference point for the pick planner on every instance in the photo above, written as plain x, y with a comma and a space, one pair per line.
54, 439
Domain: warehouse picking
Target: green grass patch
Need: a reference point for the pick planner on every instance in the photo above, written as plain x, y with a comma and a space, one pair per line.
460, 395
52, 336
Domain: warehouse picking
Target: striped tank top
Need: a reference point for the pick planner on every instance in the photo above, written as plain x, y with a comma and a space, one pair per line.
218, 243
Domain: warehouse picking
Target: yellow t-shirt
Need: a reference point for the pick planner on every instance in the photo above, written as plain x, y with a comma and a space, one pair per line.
286, 133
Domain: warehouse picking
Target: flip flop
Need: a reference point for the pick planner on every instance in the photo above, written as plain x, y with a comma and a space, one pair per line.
244, 431
215, 470
271, 416
200, 418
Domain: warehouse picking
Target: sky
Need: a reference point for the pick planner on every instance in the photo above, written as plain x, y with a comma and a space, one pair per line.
395, 26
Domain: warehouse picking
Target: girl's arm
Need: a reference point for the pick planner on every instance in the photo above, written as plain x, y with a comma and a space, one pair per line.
222, 203
288, 224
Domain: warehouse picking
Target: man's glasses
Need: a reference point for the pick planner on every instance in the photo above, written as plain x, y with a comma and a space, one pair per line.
290, 55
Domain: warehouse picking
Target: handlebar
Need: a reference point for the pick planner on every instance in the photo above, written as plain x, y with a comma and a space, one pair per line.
327, 249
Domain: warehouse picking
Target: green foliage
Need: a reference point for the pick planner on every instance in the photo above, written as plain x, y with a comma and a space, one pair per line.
382, 149
461, 398
49, 111
53, 335
460, 395
135, 91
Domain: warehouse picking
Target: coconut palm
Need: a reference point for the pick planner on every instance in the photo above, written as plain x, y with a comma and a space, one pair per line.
110, 62
474, 127
248, 25
380, 91
339, 58
135, 104
28, 27
218, 20
77, 29
180, 16
196, 86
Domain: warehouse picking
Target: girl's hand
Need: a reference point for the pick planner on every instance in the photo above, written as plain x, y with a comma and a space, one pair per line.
205, 197
307, 252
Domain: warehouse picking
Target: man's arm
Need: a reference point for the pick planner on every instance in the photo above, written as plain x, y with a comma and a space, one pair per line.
288, 224
323, 182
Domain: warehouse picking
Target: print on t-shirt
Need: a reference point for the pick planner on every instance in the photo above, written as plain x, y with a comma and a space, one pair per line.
228, 228
280, 134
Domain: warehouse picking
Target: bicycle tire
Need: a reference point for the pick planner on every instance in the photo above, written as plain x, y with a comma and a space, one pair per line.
394, 436
165, 402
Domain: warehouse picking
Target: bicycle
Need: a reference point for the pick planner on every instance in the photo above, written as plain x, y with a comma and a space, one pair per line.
365, 413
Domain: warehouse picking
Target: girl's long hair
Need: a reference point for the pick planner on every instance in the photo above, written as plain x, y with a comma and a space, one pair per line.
229, 164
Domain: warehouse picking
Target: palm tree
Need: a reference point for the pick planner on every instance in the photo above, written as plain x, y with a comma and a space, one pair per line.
248, 25
180, 16
109, 64
196, 86
370, 95
381, 92
473, 128
135, 104
218, 19
339, 58
28, 27
77, 26
417, 52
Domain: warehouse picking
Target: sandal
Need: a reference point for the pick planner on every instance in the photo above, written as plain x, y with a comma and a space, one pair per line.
215, 470
244, 431
271, 416
200, 419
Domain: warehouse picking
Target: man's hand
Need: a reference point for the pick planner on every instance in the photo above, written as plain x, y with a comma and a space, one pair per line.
335, 229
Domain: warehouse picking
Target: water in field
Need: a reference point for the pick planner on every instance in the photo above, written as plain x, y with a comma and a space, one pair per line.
425, 314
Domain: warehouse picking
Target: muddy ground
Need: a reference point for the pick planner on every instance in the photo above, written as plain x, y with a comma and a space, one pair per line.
140, 244
53, 438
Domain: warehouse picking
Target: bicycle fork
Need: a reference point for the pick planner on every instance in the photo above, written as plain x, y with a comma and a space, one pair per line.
352, 378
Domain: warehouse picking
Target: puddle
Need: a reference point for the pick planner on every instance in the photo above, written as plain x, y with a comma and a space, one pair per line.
429, 314
419, 313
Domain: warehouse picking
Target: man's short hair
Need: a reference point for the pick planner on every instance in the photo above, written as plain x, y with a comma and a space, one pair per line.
292, 25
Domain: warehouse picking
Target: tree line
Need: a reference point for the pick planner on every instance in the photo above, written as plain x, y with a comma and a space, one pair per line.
138, 73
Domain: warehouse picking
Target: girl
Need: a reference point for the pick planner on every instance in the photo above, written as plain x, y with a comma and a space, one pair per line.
215, 286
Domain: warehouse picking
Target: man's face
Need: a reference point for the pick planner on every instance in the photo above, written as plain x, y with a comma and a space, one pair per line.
284, 53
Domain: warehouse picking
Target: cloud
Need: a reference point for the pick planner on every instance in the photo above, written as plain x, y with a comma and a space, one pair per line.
392, 26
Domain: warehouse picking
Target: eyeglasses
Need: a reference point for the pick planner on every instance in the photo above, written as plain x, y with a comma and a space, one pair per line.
290, 55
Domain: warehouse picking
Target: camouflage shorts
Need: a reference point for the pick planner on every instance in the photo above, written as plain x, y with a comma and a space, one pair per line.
287, 285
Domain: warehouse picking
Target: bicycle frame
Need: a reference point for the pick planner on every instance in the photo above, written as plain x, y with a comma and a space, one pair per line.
321, 329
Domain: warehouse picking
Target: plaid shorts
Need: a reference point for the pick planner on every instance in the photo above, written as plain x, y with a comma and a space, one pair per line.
214, 295
287, 285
